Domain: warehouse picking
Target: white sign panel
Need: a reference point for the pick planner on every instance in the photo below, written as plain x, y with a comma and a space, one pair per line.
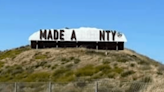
80, 34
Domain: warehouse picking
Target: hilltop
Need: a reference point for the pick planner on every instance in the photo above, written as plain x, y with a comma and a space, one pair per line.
66, 65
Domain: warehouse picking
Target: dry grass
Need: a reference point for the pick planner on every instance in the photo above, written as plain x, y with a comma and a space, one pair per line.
124, 65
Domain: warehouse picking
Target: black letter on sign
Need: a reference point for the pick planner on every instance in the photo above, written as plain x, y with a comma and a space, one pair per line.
73, 35
61, 31
55, 34
43, 34
102, 35
113, 34
49, 35
108, 35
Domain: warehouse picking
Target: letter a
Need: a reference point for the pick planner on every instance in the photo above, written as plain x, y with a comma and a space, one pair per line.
73, 35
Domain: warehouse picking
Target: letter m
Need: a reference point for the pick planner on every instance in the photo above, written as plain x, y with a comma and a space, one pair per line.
43, 34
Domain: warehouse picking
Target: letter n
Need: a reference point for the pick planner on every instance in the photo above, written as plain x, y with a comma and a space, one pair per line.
102, 35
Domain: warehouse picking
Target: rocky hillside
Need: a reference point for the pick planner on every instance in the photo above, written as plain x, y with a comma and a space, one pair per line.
68, 65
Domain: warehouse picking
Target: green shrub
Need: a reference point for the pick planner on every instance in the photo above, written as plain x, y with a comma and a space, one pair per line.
63, 75
134, 78
38, 77
122, 59
97, 76
13, 73
142, 62
17, 70
48, 66
12, 53
40, 64
132, 65
63, 63
106, 61
5, 77
92, 52
65, 78
59, 72
40, 56
13, 70
159, 73
69, 65
115, 64
76, 60
1, 64
145, 67
117, 70
64, 59
161, 68
111, 75
103, 68
88, 70
127, 73
72, 58
30, 69
81, 84
7, 66
54, 66
20, 77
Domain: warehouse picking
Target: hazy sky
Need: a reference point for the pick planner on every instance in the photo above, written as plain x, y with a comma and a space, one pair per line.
142, 21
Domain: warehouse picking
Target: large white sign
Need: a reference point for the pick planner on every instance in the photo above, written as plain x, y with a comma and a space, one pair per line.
80, 34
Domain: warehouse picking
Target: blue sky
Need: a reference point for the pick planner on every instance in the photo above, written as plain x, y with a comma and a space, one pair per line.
142, 21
